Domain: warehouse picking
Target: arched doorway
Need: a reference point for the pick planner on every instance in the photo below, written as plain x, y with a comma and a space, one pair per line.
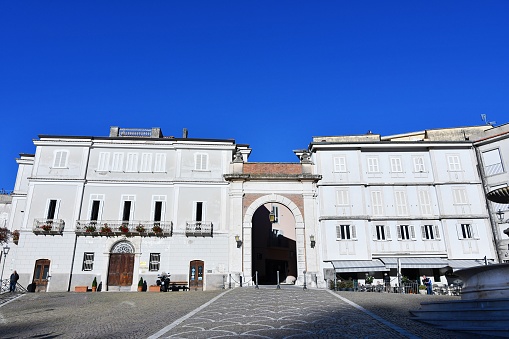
121, 265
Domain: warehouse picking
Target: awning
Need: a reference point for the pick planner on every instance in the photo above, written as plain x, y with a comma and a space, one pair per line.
358, 265
415, 262
500, 195
458, 264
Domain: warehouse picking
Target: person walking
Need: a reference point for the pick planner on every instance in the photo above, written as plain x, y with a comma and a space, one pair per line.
14, 281
429, 285
387, 281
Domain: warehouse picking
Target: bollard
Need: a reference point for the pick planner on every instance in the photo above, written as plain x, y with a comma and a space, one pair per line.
240, 278
230, 281
224, 285
256, 279
304, 288
277, 275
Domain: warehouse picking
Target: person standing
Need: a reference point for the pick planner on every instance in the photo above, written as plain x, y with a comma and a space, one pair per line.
14, 281
387, 281
429, 285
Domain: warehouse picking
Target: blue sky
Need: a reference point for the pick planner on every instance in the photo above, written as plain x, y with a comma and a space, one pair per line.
271, 74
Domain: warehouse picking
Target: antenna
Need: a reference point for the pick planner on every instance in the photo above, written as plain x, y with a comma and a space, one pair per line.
491, 123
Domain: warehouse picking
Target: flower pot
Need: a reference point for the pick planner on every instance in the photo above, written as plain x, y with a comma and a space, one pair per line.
94, 288
422, 292
140, 288
154, 288
80, 288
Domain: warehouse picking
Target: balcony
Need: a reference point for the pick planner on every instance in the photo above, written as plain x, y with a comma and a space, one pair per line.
199, 229
49, 226
108, 228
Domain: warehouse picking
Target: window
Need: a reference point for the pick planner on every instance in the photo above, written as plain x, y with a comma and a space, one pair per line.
430, 232
200, 161
396, 165
406, 232
425, 203
342, 198
60, 159
146, 162
466, 231
459, 196
345, 232
376, 202
373, 165
199, 211
340, 164
118, 162
127, 207
401, 204
132, 162
126, 214
88, 261
492, 162
155, 260
160, 163
453, 162
52, 209
104, 161
94, 214
419, 165
381, 232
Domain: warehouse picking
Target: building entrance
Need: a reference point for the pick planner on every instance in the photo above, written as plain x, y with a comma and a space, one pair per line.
274, 244
41, 275
121, 265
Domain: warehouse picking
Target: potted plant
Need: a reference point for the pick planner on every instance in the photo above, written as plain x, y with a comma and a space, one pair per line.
105, 228
123, 228
422, 289
369, 279
140, 285
157, 229
90, 229
140, 228
46, 227
94, 284
15, 236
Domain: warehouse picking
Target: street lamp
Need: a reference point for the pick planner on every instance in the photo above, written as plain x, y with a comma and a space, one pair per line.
500, 216
6, 251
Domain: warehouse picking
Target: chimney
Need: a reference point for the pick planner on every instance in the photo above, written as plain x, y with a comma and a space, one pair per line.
184, 133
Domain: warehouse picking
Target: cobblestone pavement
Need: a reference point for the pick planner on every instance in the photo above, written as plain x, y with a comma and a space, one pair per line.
265, 313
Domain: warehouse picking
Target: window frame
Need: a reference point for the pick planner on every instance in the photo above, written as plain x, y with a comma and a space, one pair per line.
203, 163
430, 232
373, 164
406, 232
346, 232
88, 261
339, 163
454, 163
154, 262
381, 232
59, 155
396, 165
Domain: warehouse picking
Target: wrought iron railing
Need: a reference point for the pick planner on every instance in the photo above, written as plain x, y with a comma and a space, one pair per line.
48, 226
5, 285
118, 227
199, 229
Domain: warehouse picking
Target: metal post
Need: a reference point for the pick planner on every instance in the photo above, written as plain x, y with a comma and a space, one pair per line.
2, 275
224, 285
240, 278
230, 281
256, 279
277, 275
305, 287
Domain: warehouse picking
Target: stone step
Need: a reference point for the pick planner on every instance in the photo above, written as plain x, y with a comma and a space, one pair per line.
502, 303
463, 315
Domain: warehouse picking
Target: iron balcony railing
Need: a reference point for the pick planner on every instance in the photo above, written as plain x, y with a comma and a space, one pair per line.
118, 227
199, 229
48, 226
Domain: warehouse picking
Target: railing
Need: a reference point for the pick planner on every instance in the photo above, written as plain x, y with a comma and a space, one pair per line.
199, 228
48, 226
117, 227
5, 285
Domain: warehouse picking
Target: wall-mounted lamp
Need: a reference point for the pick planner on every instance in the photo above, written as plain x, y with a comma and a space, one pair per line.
239, 242
500, 216
272, 216
312, 240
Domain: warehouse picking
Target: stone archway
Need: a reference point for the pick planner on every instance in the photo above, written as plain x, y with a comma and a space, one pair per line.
247, 230
121, 264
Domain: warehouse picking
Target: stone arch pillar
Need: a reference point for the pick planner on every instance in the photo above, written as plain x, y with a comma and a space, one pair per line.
247, 230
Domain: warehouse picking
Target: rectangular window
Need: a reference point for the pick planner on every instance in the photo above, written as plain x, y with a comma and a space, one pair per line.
52, 209
401, 203
104, 161
118, 162
419, 165
60, 159
430, 232
340, 164
492, 162
406, 232
425, 203
155, 260
132, 162
373, 165
88, 261
466, 231
160, 163
376, 202
198, 216
200, 161
126, 214
342, 198
94, 214
345, 232
146, 162
396, 165
453, 163
460, 196
381, 233
158, 209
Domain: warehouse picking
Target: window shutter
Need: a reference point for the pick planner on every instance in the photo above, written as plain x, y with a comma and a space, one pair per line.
338, 232
475, 231
398, 227
412, 232
459, 231
423, 231
437, 232
354, 232
387, 232
374, 232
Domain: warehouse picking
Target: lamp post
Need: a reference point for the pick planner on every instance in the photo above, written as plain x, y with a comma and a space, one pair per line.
500, 216
6, 251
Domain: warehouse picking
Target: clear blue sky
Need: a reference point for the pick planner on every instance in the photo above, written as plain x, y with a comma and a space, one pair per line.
271, 74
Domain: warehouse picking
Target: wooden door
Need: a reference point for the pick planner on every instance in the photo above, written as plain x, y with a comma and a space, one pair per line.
196, 275
41, 273
120, 271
